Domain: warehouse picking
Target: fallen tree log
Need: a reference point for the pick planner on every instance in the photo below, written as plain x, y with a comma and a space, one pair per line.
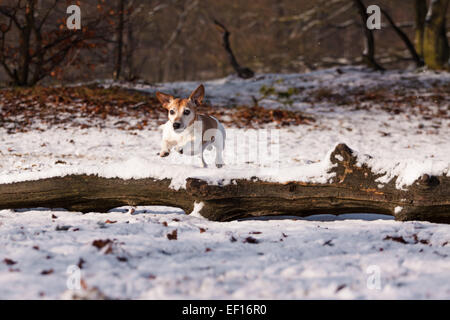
352, 189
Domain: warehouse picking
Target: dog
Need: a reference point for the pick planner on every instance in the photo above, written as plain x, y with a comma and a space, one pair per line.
189, 132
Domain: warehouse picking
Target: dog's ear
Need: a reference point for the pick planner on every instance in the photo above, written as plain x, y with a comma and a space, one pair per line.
164, 98
198, 94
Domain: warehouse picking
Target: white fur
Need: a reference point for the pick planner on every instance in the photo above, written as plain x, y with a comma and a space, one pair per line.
189, 142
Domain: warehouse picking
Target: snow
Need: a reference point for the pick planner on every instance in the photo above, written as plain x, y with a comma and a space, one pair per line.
294, 258
198, 206
398, 209
317, 257
234, 91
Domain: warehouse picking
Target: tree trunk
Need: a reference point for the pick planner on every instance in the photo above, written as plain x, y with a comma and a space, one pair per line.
22, 78
119, 44
24, 61
353, 189
130, 48
421, 12
435, 44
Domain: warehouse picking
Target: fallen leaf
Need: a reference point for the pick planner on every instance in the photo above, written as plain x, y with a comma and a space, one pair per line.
396, 239
100, 244
422, 241
9, 262
340, 287
46, 272
251, 240
173, 235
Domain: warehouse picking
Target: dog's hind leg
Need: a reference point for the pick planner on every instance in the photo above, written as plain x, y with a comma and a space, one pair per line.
219, 154
204, 147
203, 161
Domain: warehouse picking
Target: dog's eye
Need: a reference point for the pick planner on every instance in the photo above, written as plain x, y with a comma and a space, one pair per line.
186, 112
172, 111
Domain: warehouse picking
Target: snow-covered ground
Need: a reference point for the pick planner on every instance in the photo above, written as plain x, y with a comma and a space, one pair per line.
318, 257
291, 259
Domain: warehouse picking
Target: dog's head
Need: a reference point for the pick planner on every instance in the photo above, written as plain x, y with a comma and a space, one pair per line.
182, 111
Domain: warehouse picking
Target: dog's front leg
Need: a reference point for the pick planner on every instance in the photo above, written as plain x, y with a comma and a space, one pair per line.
165, 148
219, 159
203, 162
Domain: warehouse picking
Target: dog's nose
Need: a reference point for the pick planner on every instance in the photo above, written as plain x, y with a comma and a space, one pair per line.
176, 125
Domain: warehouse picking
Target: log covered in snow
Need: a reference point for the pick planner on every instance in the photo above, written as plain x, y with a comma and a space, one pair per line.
353, 189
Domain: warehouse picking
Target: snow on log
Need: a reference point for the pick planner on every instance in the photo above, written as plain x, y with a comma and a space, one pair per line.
352, 189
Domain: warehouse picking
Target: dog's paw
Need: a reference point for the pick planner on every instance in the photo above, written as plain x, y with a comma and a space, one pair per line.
163, 154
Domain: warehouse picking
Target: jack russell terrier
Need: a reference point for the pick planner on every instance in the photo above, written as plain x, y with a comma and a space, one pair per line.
187, 131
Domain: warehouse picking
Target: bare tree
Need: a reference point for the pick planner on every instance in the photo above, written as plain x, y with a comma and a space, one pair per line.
43, 45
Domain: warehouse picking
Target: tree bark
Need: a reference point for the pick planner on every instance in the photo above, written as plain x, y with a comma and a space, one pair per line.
420, 7
435, 44
353, 189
